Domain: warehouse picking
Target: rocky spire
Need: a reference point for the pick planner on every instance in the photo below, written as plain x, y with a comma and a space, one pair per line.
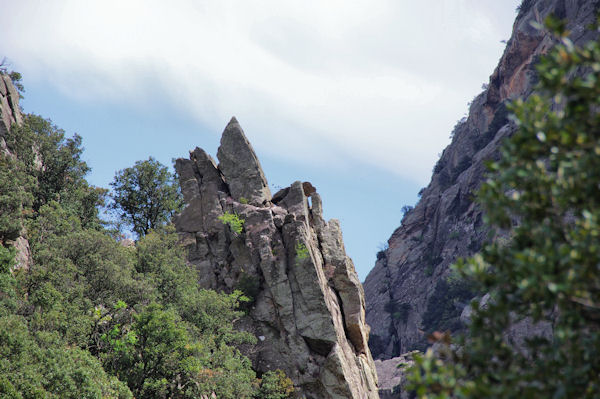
308, 306
240, 166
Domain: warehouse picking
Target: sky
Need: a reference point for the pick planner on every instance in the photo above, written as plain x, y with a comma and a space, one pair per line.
357, 97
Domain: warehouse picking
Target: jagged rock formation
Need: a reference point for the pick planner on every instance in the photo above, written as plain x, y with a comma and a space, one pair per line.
407, 292
308, 308
10, 114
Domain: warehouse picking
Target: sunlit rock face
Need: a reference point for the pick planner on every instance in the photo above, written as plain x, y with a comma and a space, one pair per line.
407, 293
308, 308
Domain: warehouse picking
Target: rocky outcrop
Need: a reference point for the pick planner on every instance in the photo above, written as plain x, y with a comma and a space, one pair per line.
308, 306
10, 114
407, 291
391, 373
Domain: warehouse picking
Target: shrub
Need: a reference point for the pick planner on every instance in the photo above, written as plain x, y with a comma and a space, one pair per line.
235, 223
275, 385
301, 251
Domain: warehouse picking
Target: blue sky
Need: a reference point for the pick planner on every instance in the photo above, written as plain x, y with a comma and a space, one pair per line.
357, 97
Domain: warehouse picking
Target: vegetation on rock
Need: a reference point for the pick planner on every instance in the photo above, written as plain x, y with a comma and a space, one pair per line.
233, 220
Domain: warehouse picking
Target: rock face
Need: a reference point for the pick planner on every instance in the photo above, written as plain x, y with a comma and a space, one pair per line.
238, 162
407, 292
391, 376
308, 309
10, 114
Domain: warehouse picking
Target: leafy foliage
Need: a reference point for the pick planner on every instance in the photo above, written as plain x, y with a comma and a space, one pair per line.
233, 220
275, 385
146, 195
301, 251
446, 303
14, 198
50, 168
545, 191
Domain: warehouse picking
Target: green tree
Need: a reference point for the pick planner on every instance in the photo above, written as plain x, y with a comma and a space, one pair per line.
49, 168
145, 195
41, 366
545, 190
14, 198
275, 385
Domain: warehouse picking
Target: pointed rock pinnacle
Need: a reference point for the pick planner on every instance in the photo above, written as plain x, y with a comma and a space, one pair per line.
240, 166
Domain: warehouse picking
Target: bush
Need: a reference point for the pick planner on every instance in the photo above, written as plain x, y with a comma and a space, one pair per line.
301, 251
275, 385
235, 223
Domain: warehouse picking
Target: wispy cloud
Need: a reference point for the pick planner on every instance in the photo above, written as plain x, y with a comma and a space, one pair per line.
379, 82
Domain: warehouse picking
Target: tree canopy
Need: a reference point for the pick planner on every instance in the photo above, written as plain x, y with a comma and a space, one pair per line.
146, 195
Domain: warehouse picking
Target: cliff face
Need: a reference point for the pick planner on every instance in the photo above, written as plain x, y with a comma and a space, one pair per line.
308, 308
407, 291
10, 114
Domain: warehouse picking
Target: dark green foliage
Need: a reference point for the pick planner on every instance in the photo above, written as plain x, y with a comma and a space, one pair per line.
275, 385
50, 168
548, 180
14, 198
444, 179
40, 366
439, 165
401, 312
145, 195
428, 270
8, 284
249, 285
463, 164
446, 303
16, 79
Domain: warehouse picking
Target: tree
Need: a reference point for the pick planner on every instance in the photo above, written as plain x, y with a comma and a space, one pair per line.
146, 195
544, 195
49, 168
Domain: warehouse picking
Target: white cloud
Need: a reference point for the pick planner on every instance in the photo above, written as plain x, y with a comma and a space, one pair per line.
375, 81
